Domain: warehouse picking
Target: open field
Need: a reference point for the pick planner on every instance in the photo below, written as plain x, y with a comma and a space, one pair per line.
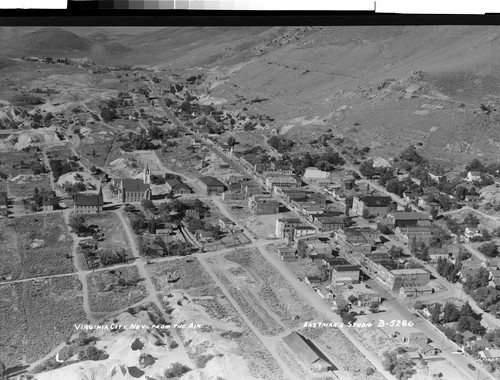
34, 246
113, 290
181, 158
23, 186
59, 153
37, 316
276, 292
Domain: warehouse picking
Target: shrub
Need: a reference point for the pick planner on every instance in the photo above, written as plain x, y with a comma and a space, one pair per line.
202, 360
370, 371
177, 370
174, 344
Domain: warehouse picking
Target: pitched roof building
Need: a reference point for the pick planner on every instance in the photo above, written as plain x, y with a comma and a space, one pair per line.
311, 357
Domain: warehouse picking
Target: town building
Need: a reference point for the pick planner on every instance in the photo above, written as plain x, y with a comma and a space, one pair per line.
212, 185
329, 223
345, 274
178, 187
313, 173
204, 236
348, 183
409, 235
285, 226
416, 339
285, 182
132, 190
312, 280
371, 205
281, 166
263, 204
406, 292
311, 358
302, 230
407, 219
407, 277
88, 204
288, 253
491, 355
226, 223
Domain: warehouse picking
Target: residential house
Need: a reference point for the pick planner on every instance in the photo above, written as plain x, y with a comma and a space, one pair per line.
196, 142
312, 280
311, 358
468, 336
472, 198
492, 355
281, 166
88, 204
285, 226
192, 213
407, 277
373, 205
348, 182
469, 234
434, 257
473, 176
481, 344
318, 250
226, 223
132, 190
288, 253
406, 292
345, 274
233, 196
178, 187
366, 299
212, 185
204, 236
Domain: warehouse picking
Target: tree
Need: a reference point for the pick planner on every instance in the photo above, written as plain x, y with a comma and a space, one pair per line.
489, 249
395, 252
471, 220
2, 369
374, 307
475, 165
77, 223
352, 298
367, 169
436, 312
231, 141
451, 312
147, 204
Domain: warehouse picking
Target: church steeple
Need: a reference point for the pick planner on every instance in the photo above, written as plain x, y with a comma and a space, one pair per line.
147, 174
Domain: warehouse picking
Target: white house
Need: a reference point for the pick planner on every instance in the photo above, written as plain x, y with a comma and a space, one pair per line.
473, 176
315, 173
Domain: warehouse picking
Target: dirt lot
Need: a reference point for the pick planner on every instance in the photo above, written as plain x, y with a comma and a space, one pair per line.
275, 290
261, 225
195, 298
181, 158
113, 290
115, 238
34, 246
37, 316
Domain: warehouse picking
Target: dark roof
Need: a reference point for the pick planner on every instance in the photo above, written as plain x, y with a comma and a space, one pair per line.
3, 198
134, 185
401, 215
330, 219
345, 268
88, 200
175, 184
211, 181
305, 349
375, 201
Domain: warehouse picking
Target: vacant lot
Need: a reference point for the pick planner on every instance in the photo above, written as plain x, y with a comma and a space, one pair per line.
191, 274
34, 246
113, 290
37, 316
98, 150
59, 153
276, 291
182, 158
15, 163
115, 238
23, 185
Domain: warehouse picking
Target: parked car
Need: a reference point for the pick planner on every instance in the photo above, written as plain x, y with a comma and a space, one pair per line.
298, 278
368, 286
471, 367
349, 287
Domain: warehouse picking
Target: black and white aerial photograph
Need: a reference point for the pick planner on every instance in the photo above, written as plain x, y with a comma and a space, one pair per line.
240, 203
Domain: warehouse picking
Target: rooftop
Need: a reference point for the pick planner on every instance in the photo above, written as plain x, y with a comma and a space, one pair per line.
211, 181
409, 271
88, 200
134, 184
376, 201
402, 215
